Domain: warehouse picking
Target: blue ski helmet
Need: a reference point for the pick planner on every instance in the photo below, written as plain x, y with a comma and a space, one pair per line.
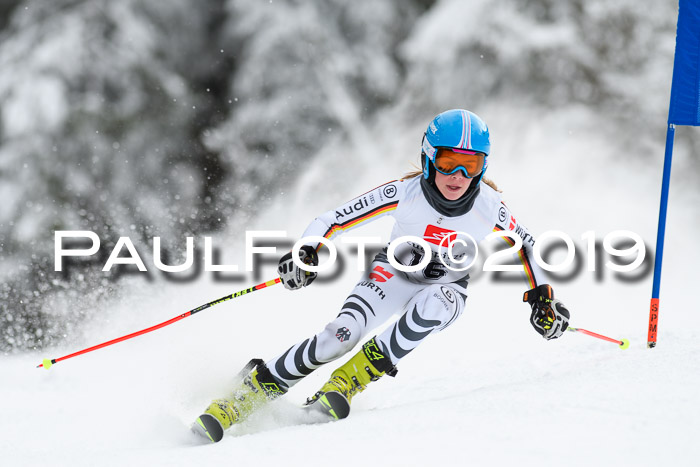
455, 129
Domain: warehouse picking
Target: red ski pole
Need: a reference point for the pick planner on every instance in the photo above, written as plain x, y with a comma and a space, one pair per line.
624, 343
47, 363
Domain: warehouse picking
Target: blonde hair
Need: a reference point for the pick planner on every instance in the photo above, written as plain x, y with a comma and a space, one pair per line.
416, 173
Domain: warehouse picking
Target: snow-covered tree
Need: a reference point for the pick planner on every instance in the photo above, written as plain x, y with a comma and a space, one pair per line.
143, 118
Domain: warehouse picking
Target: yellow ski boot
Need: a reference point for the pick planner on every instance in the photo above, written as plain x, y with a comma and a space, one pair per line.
258, 386
368, 365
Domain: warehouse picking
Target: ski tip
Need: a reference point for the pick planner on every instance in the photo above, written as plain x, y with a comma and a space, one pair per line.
624, 344
207, 426
335, 405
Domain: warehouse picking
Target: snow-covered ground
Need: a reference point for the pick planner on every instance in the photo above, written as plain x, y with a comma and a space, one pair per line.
486, 391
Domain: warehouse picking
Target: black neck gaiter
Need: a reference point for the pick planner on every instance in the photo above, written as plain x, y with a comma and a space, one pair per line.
444, 206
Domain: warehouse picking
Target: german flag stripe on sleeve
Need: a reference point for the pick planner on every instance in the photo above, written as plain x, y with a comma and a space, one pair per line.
528, 268
522, 254
354, 222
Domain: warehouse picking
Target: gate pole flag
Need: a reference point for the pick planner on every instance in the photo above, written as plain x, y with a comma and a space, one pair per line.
684, 109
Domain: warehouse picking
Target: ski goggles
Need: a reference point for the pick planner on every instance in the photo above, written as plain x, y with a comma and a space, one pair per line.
449, 161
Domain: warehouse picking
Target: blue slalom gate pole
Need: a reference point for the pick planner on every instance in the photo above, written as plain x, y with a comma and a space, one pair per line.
684, 109
660, 235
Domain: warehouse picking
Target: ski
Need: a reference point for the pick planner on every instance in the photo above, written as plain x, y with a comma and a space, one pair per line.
332, 404
208, 427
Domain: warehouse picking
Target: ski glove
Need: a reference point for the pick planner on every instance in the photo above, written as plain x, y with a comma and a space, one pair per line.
293, 277
549, 316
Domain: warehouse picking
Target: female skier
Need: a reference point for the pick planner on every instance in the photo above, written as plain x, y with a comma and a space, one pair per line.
449, 196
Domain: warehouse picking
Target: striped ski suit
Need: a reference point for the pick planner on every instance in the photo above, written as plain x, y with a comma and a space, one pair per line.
428, 300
